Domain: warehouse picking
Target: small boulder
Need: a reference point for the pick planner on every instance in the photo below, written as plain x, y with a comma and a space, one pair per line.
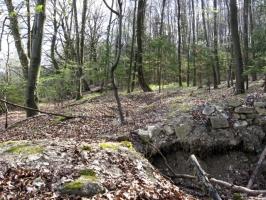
260, 107
208, 110
83, 189
168, 129
219, 122
240, 124
234, 103
245, 110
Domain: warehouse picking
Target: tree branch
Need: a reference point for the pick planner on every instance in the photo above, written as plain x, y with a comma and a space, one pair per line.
112, 10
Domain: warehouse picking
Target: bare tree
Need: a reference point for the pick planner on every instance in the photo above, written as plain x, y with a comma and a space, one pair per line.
237, 49
118, 54
140, 34
35, 60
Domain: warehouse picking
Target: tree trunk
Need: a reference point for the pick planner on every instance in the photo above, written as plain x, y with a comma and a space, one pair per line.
215, 42
17, 37
245, 37
254, 75
117, 59
35, 60
53, 42
237, 50
179, 44
140, 34
132, 48
79, 71
208, 44
194, 45
160, 49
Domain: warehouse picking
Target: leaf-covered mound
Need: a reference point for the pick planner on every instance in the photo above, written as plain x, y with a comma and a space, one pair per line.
47, 169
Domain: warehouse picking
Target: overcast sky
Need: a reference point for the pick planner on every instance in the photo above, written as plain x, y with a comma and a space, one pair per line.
97, 4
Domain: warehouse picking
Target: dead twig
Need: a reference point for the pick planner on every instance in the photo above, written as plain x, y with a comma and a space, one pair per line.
44, 112
202, 175
255, 172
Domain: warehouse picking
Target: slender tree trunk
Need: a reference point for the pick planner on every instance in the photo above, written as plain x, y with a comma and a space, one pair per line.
132, 57
79, 71
140, 34
194, 45
254, 75
215, 42
160, 49
117, 59
237, 50
179, 44
108, 49
208, 44
28, 28
17, 37
35, 60
53, 42
245, 37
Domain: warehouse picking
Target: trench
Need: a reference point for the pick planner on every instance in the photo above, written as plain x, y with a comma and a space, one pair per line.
234, 166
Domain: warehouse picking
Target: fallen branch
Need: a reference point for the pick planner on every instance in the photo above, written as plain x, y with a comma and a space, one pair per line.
234, 188
204, 179
44, 112
237, 188
255, 172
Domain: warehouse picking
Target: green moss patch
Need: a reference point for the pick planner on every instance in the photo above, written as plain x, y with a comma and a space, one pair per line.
74, 185
126, 144
59, 119
25, 149
86, 148
116, 146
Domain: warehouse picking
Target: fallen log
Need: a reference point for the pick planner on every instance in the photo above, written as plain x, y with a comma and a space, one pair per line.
202, 175
255, 172
44, 112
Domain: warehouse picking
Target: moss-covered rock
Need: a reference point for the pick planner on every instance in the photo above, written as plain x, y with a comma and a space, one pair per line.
86, 185
25, 149
116, 145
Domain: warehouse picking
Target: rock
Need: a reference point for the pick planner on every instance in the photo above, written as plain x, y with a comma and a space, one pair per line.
236, 116
252, 138
144, 135
240, 124
219, 122
260, 107
245, 110
82, 188
208, 110
234, 103
168, 130
242, 116
251, 116
155, 131
38, 182
183, 126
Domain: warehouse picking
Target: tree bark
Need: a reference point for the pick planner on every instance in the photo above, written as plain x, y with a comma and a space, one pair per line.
237, 49
194, 45
79, 70
117, 59
208, 44
53, 42
132, 54
179, 44
215, 43
140, 34
17, 37
35, 60
245, 37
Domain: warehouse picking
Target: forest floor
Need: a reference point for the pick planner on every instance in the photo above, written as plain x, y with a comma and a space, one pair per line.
100, 122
